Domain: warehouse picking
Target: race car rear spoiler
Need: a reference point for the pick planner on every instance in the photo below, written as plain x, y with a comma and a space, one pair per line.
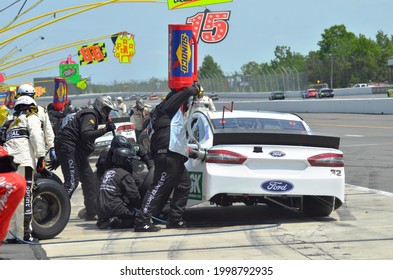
241, 136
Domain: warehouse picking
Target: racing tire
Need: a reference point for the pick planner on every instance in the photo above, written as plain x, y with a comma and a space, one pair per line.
318, 206
51, 208
50, 175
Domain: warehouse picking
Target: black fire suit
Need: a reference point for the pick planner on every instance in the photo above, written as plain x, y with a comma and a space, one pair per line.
117, 197
73, 144
169, 151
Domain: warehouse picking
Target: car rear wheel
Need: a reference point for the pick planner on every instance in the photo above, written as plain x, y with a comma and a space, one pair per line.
318, 206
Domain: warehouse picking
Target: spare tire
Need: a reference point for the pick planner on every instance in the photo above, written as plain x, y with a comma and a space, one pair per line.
51, 208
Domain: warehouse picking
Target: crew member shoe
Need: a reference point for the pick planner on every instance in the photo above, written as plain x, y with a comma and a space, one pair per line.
178, 224
30, 238
114, 222
91, 217
147, 228
102, 224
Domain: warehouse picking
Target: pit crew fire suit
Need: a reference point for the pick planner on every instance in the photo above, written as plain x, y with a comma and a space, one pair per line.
169, 150
73, 144
25, 141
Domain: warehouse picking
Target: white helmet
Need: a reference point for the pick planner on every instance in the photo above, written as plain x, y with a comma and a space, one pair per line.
25, 100
25, 90
120, 98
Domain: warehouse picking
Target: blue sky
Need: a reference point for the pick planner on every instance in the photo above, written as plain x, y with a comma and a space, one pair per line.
256, 27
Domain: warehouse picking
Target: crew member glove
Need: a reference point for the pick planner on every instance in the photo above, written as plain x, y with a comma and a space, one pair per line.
200, 90
40, 164
110, 126
53, 165
52, 154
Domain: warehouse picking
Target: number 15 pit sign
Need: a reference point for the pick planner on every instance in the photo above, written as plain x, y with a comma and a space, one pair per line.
179, 4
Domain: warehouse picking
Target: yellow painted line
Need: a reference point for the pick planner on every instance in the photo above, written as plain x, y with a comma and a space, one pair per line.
350, 125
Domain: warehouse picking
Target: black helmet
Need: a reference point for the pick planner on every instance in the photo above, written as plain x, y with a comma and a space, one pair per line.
123, 157
140, 103
119, 141
103, 105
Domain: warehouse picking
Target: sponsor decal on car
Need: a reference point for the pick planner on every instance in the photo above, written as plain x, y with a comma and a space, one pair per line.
196, 186
277, 186
277, 154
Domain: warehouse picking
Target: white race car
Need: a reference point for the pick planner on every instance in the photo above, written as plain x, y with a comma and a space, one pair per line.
264, 157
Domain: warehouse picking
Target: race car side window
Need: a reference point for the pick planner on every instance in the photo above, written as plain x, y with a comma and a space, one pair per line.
201, 129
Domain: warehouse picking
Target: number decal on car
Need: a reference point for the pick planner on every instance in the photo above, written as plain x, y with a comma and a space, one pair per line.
336, 172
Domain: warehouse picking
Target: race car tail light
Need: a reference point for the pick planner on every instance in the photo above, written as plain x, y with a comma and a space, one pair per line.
224, 156
127, 127
328, 159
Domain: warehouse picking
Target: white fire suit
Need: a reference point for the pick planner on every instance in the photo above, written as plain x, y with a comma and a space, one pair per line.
122, 109
140, 116
46, 126
25, 141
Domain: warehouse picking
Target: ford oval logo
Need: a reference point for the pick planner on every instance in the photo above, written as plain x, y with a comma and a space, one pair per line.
277, 186
277, 154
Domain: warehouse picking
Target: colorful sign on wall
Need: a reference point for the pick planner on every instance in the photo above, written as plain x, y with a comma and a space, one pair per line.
93, 53
69, 70
178, 4
124, 46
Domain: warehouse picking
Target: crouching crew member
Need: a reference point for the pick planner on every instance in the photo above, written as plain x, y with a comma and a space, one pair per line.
118, 194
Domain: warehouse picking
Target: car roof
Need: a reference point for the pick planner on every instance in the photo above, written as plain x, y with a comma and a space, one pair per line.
251, 114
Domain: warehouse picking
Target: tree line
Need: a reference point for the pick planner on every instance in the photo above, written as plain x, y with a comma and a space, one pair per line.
351, 59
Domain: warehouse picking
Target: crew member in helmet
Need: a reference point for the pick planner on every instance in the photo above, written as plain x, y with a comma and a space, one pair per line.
75, 142
104, 162
121, 107
118, 193
49, 136
25, 142
140, 114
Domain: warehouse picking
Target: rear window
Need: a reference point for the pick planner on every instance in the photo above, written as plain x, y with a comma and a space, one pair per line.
258, 123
